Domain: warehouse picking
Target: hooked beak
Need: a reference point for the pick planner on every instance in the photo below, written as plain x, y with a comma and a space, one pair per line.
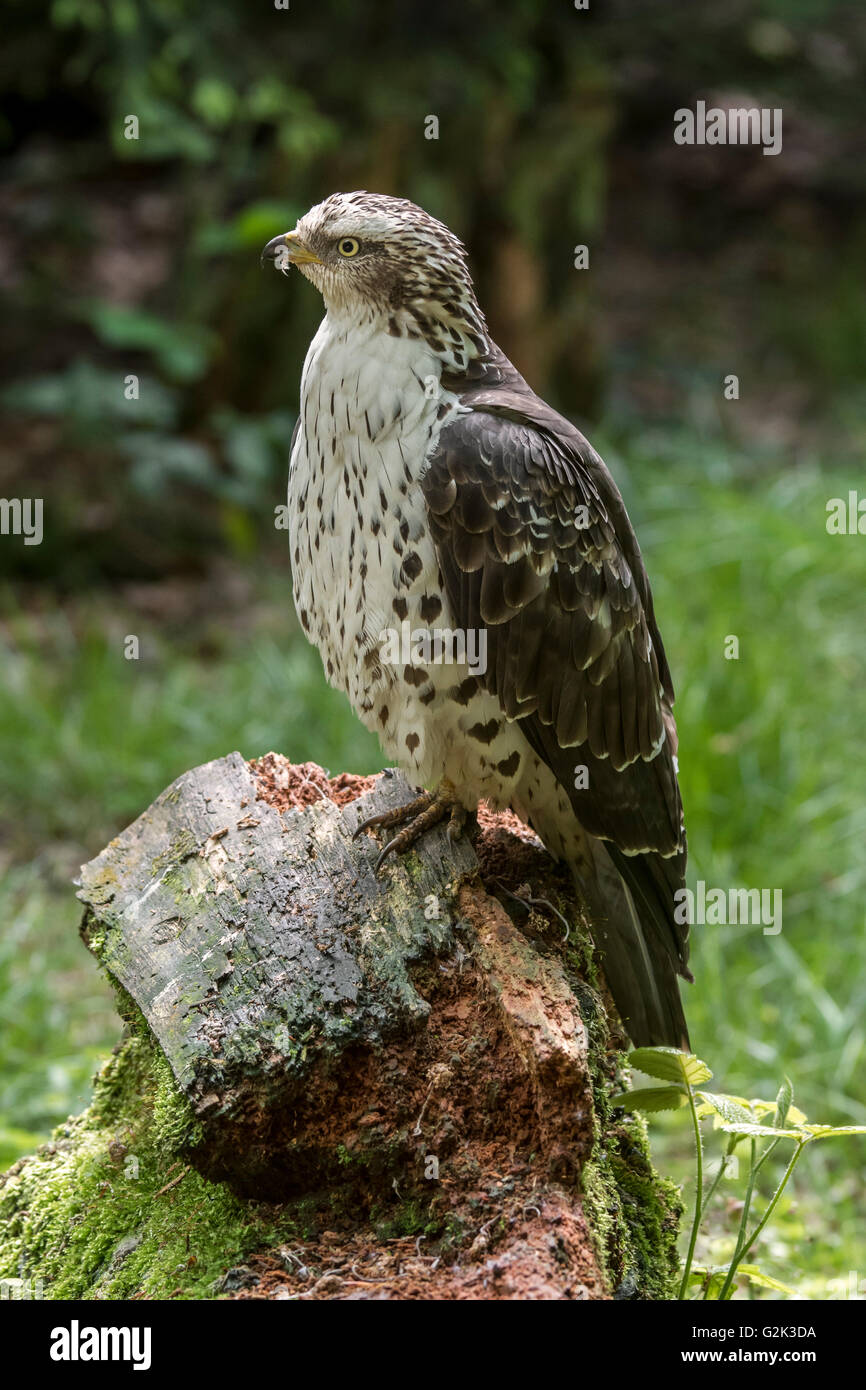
288, 249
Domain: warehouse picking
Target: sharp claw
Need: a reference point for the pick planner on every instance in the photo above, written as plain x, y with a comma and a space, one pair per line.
368, 824
395, 817
421, 814
389, 849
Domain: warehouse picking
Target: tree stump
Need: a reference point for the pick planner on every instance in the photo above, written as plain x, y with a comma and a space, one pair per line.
397, 1082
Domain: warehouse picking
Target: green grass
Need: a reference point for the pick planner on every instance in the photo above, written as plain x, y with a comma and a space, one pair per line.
58, 1017
771, 767
770, 764
89, 738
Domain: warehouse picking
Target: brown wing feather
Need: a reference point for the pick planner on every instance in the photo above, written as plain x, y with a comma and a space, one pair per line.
536, 546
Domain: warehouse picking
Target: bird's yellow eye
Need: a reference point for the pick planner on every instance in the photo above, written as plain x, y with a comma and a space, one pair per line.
348, 246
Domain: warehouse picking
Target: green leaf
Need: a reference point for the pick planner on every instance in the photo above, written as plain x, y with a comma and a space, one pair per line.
764, 1281
652, 1098
183, 350
784, 1101
833, 1131
716, 1275
727, 1107
769, 1107
669, 1064
766, 1130
807, 1133
714, 1278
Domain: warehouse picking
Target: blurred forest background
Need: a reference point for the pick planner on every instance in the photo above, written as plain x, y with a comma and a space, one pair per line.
122, 256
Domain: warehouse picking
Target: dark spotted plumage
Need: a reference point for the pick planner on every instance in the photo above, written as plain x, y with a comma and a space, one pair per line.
537, 548
450, 496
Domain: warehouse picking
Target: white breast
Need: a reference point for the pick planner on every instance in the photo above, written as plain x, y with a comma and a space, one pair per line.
362, 558
369, 404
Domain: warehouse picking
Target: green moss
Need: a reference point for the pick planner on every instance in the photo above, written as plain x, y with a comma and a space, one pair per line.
579, 959
410, 1218
633, 1213
182, 848
107, 943
106, 1210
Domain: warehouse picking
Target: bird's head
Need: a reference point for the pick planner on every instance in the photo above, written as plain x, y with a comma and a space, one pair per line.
380, 259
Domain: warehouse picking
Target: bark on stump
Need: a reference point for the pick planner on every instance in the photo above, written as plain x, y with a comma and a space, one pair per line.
408, 1071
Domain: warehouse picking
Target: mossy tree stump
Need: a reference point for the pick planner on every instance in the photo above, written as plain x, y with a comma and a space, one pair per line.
338, 1083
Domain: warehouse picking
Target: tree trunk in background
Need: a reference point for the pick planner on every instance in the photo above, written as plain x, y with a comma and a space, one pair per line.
338, 1084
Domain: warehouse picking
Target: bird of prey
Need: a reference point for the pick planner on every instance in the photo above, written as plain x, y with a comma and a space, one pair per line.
430, 486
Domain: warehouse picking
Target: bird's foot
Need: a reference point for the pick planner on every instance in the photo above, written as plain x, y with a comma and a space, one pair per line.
422, 814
